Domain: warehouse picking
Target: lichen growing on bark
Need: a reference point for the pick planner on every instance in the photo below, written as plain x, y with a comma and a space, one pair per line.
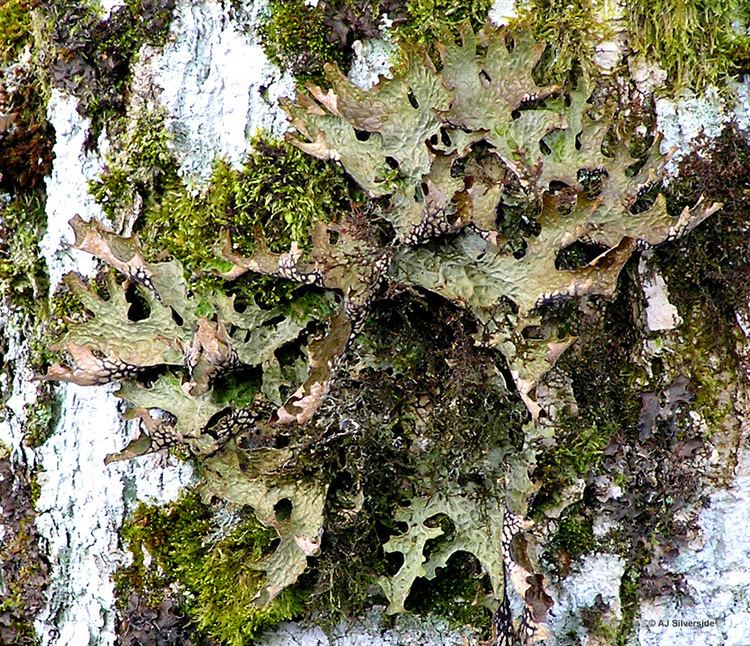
507, 199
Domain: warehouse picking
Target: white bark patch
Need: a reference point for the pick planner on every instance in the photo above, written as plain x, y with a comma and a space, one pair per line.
372, 59
660, 314
502, 12
717, 576
82, 503
597, 575
67, 189
81, 507
372, 630
108, 6
216, 84
742, 110
20, 389
682, 121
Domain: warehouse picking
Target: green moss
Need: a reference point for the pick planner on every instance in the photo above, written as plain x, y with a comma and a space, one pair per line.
15, 27
578, 449
429, 18
23, 276
144, 167
216, 573
575, 534
694, 41
571, 29
296, 38
23, 568
629, 602
39, 420
276, 196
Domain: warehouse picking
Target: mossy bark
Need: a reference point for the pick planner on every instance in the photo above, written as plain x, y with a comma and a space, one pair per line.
646, 422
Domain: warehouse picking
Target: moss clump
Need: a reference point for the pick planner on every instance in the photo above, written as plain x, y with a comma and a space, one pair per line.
579, 446
143, 170
214, 570
23, 275
428, 19
39, 418
23, 567
571, 29
296, 38
629, 602
275, 197
575, 533
15, 27
694, 41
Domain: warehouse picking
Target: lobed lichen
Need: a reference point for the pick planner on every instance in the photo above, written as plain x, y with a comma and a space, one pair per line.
516, 209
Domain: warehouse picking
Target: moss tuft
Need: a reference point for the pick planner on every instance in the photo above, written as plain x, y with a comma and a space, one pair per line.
575, 534
694, 41
23, 273
427, 19
15, 27
215, 572
296, 38
23, 567
629, 601
571, 30
276, 196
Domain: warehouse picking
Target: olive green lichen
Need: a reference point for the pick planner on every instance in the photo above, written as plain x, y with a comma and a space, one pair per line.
449, 148
423, 160
160, 325
476, 529
216, 573
293, 508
